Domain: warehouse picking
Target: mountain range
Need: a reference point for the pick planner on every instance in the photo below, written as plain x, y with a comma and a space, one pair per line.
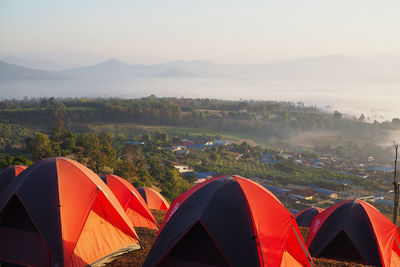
329, 80
111, 68
329, 68
11, 72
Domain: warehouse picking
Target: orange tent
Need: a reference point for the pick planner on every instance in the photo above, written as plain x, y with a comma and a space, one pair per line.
354, 230
9, 173
60, 213
228, 221
153, 199
131, 201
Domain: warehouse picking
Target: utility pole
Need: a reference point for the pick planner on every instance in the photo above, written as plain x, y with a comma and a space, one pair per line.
395, 185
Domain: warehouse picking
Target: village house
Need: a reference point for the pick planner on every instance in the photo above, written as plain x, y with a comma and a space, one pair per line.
182, 168
324, 192
129, 142
305, 194
186, 143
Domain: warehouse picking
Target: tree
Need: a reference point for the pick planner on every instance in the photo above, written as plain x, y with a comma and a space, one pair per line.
175, 139
362, 117
57, 109
44, 103
107, 149
133, 167
162, 137
396, 121
14, 160
40, 146
68, 143
191, 178
146, 138
127, 168
173, 185
58, 132
96, 160
337, 115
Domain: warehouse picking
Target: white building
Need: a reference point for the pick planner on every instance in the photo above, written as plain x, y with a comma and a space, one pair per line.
182, 167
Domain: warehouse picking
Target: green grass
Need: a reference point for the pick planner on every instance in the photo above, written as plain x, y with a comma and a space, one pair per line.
36, 109
20, 109
133, 129
80, 109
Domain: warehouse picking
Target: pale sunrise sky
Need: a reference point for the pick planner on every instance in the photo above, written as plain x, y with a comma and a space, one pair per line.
226, 31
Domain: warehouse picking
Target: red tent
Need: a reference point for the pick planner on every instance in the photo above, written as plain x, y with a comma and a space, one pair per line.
153, 199
9, 173
131, 201
228, 221
60, 213
305, 216
354, 230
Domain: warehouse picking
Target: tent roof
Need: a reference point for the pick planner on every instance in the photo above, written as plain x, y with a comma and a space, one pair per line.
232, 206
372, 234
153, 199
59, 195
304, 217
131, 201
9, 173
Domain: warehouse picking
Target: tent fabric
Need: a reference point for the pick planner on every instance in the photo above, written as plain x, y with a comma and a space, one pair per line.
304, 217
153, 199
9, 173
67, 210
354, 230
228, 221
131, 201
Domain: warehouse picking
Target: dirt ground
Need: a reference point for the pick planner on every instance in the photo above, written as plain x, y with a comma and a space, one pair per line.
159, 215
304, 232
146, 236
136, 258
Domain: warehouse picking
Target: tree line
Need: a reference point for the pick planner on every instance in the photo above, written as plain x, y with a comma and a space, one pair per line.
260, 118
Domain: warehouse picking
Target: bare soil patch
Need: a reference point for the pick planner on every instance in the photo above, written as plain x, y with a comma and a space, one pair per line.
136, 258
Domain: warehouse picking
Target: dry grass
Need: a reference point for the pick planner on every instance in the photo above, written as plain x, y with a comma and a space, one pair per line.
159, 215
304, 232
320, 262
136, 258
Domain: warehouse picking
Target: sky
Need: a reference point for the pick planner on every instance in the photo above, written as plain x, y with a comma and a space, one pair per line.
225, 31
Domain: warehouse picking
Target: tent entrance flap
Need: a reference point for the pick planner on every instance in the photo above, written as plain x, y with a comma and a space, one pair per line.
20, 240
196, 248
341, 248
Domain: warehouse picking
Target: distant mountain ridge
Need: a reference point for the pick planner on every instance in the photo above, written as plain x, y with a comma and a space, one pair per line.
47, 65
108, 68
331, 68
11, 72
116, 67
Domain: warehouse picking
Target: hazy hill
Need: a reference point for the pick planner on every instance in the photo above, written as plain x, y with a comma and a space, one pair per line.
48, 65
330, 80
111, 67
11, 72
173, 72
334, 68
116, 68
51, 60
